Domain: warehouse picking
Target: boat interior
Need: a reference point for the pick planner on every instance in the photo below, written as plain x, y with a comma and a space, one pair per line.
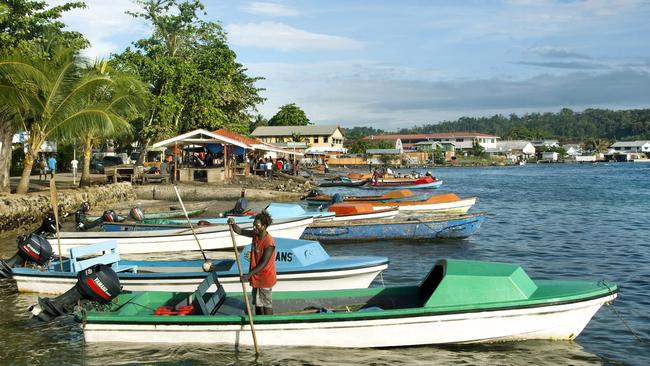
205, 302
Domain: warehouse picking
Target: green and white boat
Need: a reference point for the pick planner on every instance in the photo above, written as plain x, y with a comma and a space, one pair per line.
459, 301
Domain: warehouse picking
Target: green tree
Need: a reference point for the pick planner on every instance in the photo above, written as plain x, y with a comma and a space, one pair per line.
125, 97
289, 115
477, 150
57, 98
258, 121
23, 23
195, 81
438, 155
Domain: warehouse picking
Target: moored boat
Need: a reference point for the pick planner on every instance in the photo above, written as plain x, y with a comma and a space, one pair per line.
459, 301
350, 211
343, 182
300, 264
438, 203
418, 183
398, 228
134, 238
277, 211
161, 214
392, 196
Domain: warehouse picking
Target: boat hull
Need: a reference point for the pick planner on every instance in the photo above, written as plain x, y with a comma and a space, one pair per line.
175, 240
402, 185
299, 281
456, 207
411, 228
557, 322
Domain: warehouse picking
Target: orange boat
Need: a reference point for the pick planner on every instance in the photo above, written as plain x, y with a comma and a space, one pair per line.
393, 196
360, 211
438, 203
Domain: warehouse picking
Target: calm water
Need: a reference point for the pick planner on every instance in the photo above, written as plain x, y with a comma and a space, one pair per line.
558, 221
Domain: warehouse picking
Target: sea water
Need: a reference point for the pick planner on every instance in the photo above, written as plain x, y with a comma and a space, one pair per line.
556, 220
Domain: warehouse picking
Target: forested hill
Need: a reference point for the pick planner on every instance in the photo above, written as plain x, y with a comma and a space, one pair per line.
565, 125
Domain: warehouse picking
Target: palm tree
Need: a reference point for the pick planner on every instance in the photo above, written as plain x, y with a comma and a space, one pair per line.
596, 145
57, 98
125, 97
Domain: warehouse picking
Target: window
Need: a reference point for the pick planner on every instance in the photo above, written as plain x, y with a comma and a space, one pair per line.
459, 140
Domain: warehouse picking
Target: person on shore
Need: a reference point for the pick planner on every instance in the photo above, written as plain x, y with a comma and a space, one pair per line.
269, 167
51, 164
42, 169
370, 166
261, 273
326, 167
279, 164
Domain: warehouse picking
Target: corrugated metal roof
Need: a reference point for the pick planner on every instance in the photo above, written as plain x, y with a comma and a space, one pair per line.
383, 151
322, 130
630, 143
512, 145
423, 136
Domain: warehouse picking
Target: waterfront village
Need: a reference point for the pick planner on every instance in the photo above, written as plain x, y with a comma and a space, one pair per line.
220, 155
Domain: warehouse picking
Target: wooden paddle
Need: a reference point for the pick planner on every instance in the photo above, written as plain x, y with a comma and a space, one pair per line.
243, 287
206, 265
55, 208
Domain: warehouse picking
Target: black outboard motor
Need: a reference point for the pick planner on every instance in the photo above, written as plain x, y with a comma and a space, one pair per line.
48, 226
32, 248
311, 193
98, 283
107, 216
240, 207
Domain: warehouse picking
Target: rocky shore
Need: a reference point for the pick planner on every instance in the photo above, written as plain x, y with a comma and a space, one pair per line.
21, 211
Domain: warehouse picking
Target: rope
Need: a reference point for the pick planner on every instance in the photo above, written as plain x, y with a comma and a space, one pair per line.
627, 325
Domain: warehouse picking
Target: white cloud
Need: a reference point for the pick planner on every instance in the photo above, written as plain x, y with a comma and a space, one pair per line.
273, 9
362, 94
282, 37
104, 23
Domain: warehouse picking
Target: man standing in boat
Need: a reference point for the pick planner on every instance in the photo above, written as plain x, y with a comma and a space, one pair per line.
261, 273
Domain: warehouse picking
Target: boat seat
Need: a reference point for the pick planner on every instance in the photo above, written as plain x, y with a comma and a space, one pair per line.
108, 256
209, 303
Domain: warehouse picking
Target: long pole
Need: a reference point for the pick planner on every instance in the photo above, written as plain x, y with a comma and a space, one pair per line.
243, 288
55, 209
190, 223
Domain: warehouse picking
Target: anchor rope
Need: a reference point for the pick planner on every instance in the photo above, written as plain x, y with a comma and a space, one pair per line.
620, 316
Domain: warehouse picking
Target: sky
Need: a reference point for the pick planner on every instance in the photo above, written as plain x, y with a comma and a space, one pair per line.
395, 64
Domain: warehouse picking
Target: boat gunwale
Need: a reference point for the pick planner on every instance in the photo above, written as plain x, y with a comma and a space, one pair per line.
407, 219
315, 318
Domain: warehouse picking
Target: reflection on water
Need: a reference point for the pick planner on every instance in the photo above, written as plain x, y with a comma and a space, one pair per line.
557, 221
512, 353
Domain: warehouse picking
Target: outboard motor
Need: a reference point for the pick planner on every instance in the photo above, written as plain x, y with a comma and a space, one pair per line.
32, 248
107, 216
98, 283
311, 193
240, 207
136, 214
48, 226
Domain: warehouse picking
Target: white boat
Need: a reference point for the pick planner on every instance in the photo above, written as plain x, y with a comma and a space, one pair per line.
301, 265
176, 239
458, 302
461, 206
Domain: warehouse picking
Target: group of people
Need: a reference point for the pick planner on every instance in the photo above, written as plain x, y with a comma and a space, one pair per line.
46, 165
266, 166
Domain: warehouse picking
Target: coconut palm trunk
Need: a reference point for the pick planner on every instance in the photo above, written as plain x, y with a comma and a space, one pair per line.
6, 134
85, 180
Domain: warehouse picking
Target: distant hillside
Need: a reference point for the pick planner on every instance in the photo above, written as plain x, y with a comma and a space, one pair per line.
565, 125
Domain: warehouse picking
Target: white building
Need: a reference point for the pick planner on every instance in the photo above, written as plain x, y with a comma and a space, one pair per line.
631, 146
514, 150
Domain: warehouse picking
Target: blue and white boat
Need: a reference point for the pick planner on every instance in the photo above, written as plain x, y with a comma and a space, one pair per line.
399, 228
278, 211
300, 264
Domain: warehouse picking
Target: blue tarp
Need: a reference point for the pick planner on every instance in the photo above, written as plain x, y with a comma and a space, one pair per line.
218, 149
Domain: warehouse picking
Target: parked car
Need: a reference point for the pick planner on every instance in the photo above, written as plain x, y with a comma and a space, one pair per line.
108, 161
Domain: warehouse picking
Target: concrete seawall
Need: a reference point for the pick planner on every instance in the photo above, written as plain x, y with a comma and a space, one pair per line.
207, 193
18, 211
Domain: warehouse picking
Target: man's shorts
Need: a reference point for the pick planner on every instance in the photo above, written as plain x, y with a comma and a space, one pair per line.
262, 297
